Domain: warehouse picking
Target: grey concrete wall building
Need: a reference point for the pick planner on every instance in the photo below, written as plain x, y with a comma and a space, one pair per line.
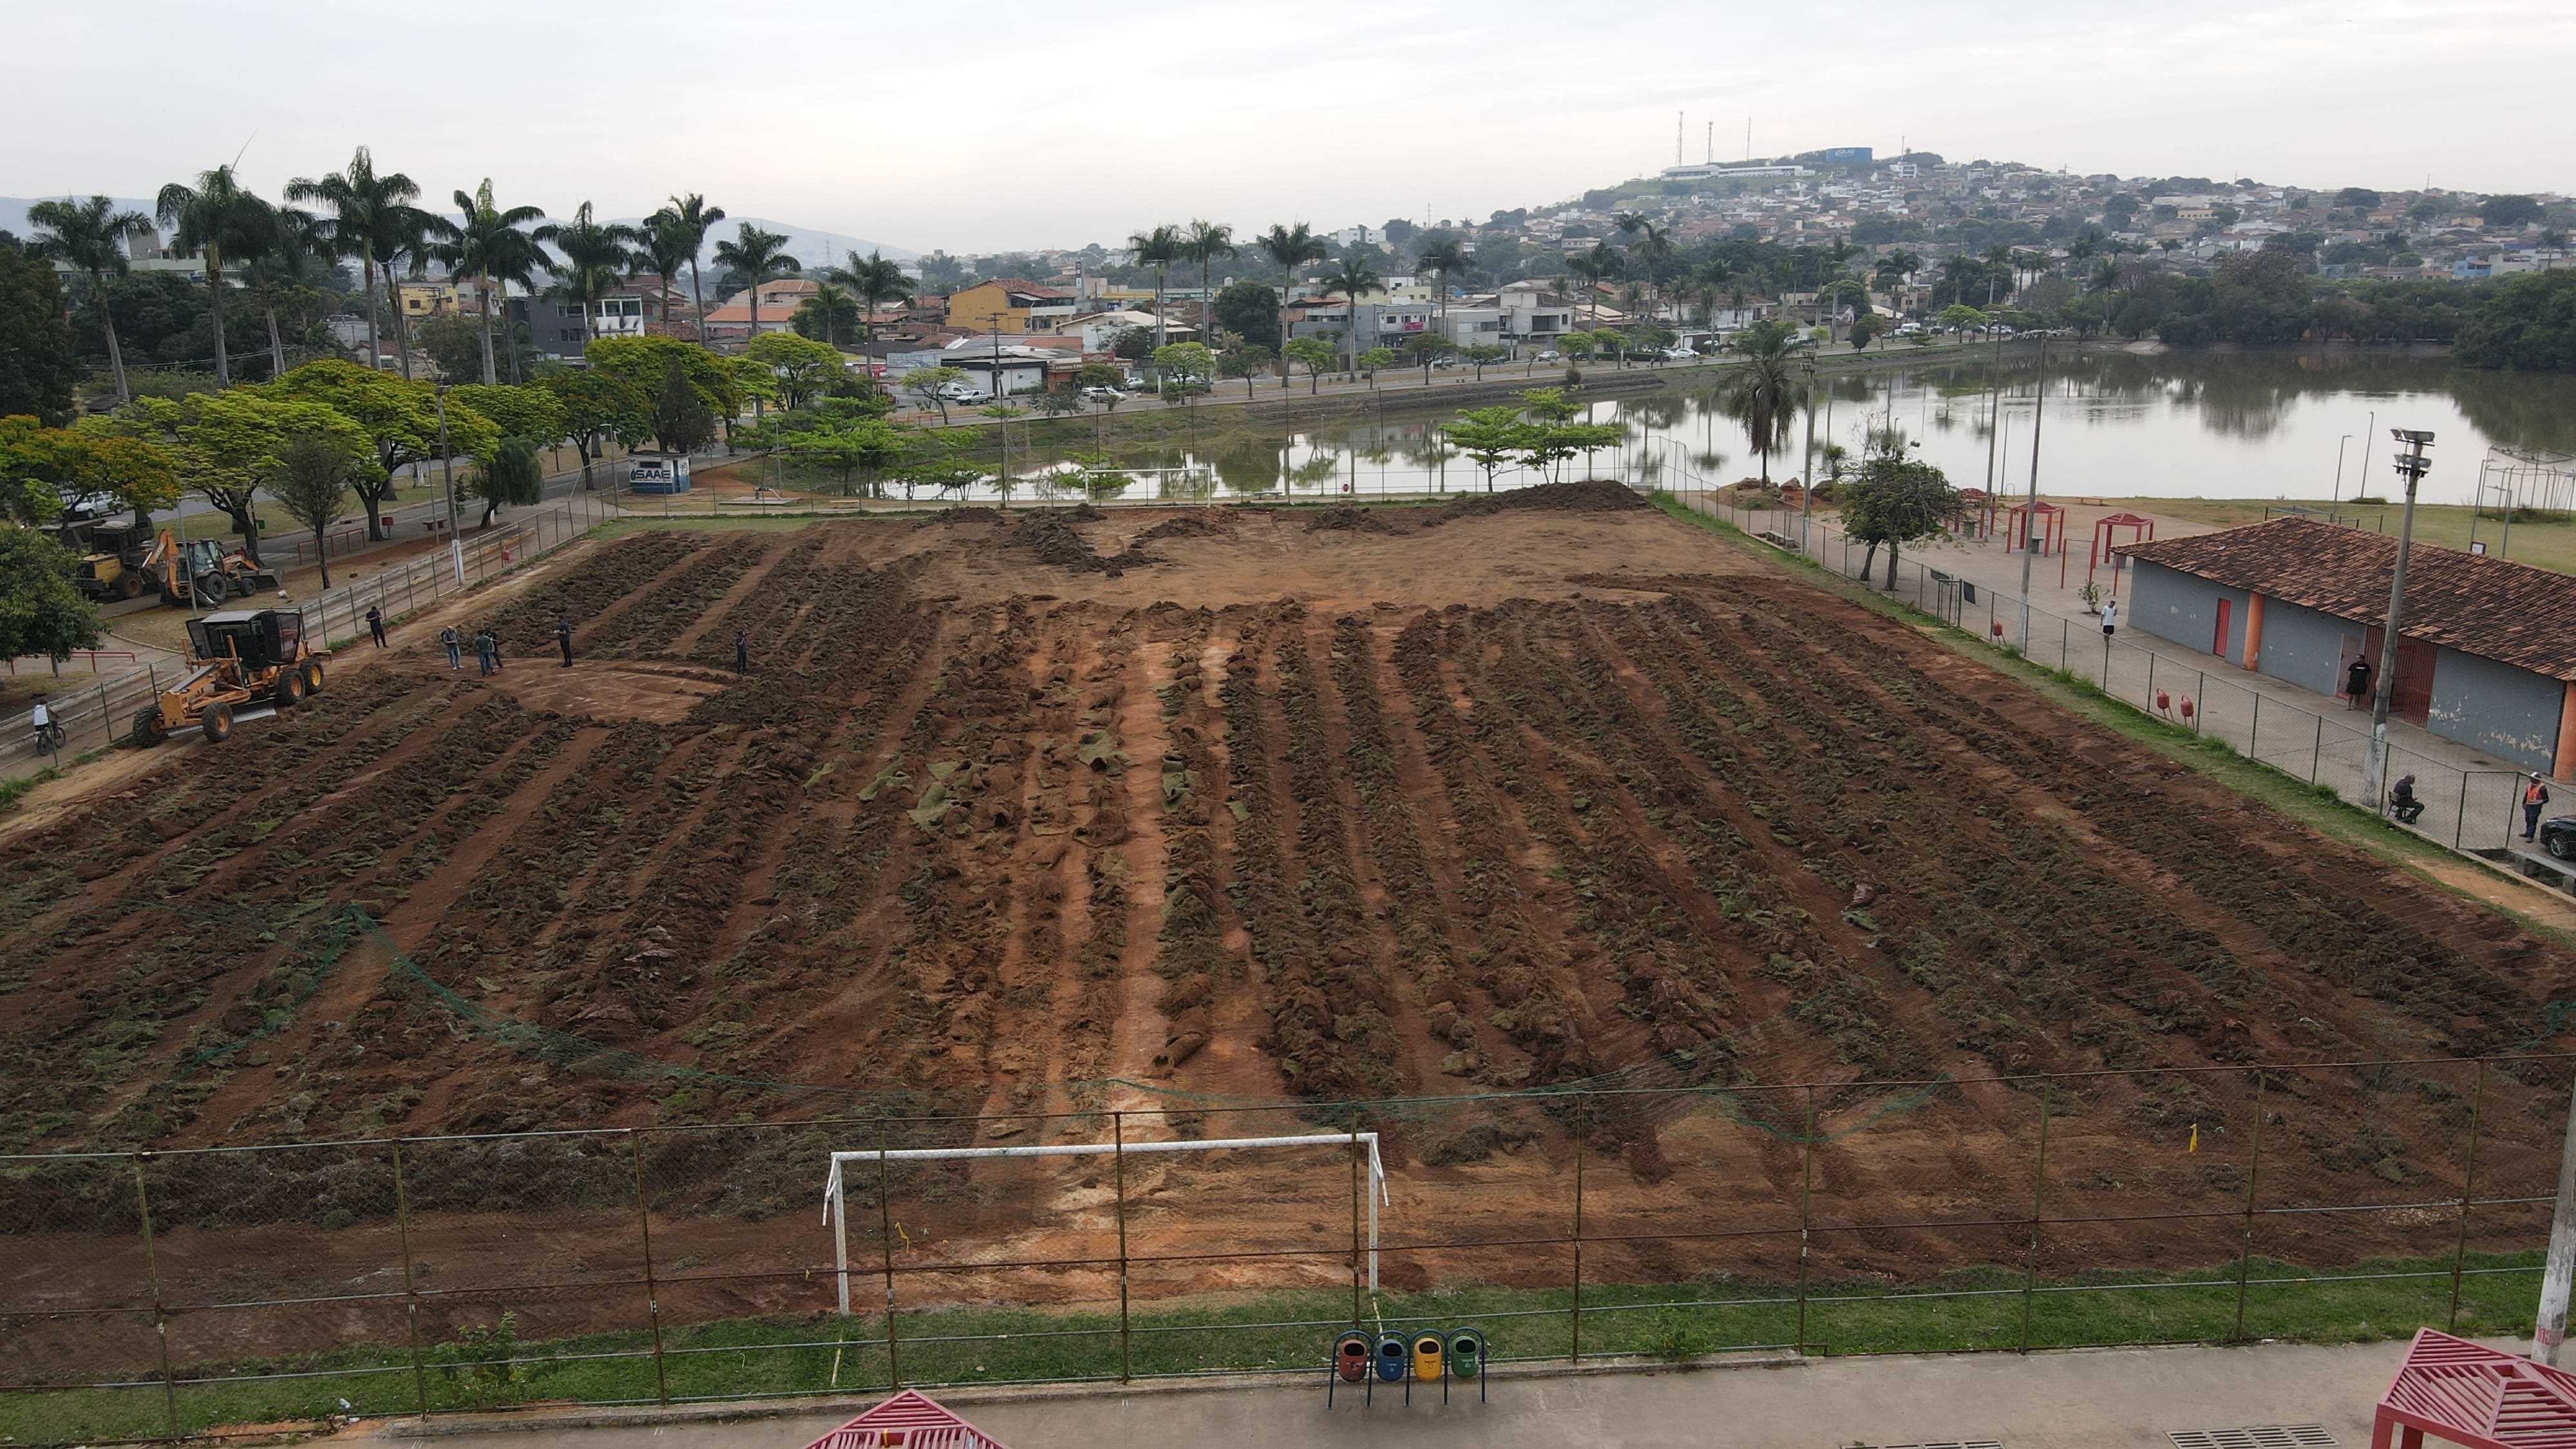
2305, 647
2509, 713
2180, 607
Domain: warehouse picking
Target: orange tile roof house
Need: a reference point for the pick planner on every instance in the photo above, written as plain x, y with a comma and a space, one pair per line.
779, 299
2486, 650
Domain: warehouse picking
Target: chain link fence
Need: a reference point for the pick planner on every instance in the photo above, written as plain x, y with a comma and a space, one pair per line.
154, 1294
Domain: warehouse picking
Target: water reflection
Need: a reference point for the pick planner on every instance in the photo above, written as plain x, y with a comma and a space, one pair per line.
2242, 425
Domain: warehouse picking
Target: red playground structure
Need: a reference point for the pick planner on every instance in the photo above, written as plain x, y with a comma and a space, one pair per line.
2472, 1395
907, 1421
2106, 531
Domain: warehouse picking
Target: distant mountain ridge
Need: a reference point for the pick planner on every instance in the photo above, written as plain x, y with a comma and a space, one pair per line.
810, 246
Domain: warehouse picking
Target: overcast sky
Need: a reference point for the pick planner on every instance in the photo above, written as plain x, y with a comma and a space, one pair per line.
1001, 124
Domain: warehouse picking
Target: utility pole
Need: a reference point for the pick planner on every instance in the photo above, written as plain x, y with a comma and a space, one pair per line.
447, 473
1994, 412
1807, 494
2030, 533
2338, 483
2412, 465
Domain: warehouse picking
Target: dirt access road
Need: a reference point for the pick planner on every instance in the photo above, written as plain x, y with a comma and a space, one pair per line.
1047, 810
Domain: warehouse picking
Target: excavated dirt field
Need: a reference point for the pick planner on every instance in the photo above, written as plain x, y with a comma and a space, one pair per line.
1433, 803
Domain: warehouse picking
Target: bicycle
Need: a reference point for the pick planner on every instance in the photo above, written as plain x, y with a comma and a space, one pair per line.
49, 739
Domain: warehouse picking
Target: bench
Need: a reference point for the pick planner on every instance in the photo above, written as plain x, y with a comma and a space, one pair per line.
433, 525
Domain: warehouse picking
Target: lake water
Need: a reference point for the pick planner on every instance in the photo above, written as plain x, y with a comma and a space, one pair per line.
2112, 424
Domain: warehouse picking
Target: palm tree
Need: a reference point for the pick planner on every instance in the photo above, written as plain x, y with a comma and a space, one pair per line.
1443, 256
366, 211
695, 220
492, 244
1290, 248
1651, 252
596, 257
872, 283
1350, 277
290, 241
827, 301
1763, 393
214, 217
1711, 277
1594, 267
1893, 268
86, 235
1158, 249
412, 239
758, 255
666, 248
1204, 243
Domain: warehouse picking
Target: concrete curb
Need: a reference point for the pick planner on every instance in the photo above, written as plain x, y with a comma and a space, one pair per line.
539, 1421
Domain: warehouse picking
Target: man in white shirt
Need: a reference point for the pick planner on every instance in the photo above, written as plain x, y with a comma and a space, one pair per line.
42, 719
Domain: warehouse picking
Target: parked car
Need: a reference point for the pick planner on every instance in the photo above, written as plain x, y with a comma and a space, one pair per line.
1550, 356
2558, 837
1105, 394
958, 392
1680, 354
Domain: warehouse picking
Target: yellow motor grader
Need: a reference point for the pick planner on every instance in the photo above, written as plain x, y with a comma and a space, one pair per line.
237, 661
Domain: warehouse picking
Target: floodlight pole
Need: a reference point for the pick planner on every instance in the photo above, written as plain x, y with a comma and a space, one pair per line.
1807, 494
2555, 1274
447, 473
2411, 465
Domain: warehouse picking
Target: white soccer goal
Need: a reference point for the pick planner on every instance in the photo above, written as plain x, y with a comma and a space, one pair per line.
836, 1200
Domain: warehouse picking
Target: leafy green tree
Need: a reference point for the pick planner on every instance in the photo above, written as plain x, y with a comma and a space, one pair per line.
212, 218
2525, 322
1484, 355
534, 414
41, 609
854, 446
92, 457
1444, 256
2359, 197
824, 316
1895, 500
1962, 317
598, 409
513, 477
803, 368
935, 461
399, 418
492, 245
645, 361
1864, 327
453, 343
371, 217
1311, 353
597, 255
1373, 361
1250, 310
1425, 349
1762, 393
227, 444
1289, 248
1245, 360
924, 383
1490, 438
1157, 248
691, 218
1186, 369
39, 366
2510, 211
682, 421
312, 485
757, 256
89, 237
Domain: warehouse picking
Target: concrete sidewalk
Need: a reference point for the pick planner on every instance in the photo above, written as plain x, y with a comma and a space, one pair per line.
2084, 1399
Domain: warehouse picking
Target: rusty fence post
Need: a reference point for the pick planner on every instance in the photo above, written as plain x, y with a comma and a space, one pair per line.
152, 1274
2253, 1181
652, 1291
1575, 1335
2459, 830
411, 1294
2038, 1212
1806, 1194
1118, 1183
885, 1244
2468, 1191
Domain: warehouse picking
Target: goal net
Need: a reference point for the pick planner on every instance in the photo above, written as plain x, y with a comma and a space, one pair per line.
836, 1199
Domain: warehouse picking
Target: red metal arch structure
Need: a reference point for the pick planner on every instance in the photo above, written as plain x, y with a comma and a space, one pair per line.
1979, 505
907, 1421
2106, 531
2048, 518
2468, 1394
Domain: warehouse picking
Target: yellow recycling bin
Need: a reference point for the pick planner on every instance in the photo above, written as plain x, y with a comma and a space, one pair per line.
1426, 1356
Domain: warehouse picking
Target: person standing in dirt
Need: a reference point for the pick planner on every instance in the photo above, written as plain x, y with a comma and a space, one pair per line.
741, 653
483, 651
455, 656
2534, 795
376, 624
563, 638
2356, 682
2110, 617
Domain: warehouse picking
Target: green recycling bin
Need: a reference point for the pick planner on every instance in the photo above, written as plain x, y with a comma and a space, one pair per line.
1466, 1353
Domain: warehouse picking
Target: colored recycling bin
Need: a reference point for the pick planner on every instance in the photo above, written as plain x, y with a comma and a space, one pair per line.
1390, 1357
1426, 1356
1351, 1357
1466, 1353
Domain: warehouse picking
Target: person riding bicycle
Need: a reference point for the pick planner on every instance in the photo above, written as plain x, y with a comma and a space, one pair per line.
49, 736
2402, 802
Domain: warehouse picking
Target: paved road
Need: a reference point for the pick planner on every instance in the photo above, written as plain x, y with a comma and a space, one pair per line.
2105, 1399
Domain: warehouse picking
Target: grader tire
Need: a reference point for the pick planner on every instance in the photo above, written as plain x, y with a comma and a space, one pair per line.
289, 690
216, 722
310, 671
147, 730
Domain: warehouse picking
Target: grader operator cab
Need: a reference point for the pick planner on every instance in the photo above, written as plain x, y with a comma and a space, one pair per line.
235, 660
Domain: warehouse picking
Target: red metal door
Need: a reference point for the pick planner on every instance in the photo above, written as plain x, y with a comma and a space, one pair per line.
2410, 695
2218, 640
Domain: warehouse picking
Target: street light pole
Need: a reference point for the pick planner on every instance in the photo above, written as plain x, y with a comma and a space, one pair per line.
2030, 509
447, 474
1807, 494
2412, 466
2338, 483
